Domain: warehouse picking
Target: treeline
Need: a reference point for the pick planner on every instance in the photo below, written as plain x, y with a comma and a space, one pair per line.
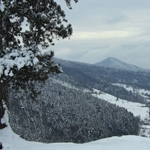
62, 114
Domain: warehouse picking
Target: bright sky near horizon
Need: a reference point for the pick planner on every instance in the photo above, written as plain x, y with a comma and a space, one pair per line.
107, 28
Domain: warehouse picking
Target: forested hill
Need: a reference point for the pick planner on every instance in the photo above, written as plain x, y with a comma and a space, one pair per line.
64, 113
91, 76
111, 62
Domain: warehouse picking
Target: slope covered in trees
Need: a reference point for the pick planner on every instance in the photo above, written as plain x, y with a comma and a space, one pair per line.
64, 114
90, 76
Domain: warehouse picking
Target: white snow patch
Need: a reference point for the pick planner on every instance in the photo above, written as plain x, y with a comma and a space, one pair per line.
11, 141
136, 108
142, 92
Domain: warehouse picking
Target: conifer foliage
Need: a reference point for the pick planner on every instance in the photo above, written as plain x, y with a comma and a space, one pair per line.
27, 27
64, 113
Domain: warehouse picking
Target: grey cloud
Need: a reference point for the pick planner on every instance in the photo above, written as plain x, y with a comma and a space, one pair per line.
130, 18
116, 17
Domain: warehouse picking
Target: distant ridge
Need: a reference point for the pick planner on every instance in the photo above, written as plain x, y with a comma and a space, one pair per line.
111, 62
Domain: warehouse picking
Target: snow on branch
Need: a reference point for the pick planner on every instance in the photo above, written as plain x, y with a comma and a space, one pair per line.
17, 59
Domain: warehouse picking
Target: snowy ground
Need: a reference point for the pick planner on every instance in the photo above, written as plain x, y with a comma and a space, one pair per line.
11, 141
142, 92
136, 108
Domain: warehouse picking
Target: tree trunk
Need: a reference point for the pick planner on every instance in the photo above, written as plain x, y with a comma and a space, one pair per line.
3, 97
4, 85
1, 46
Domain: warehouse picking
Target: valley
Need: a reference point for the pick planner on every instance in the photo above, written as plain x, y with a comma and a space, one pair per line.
85, 103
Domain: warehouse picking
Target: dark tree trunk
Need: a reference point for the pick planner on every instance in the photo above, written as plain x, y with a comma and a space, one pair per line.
1, 146
1, 46
3, 97
4, 85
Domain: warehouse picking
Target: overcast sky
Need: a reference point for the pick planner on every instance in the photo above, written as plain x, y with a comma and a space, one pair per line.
107, 28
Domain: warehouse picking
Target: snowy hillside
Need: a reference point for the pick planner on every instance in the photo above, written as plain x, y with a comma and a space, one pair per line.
11, 141
142, 92
137, 109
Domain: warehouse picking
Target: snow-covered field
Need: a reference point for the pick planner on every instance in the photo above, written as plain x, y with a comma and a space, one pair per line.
136, 108
11, 141
142, 92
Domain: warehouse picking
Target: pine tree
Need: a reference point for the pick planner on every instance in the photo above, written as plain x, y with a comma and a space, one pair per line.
26, 28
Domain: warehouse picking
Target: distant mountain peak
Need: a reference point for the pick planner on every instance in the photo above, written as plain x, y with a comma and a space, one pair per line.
112, 62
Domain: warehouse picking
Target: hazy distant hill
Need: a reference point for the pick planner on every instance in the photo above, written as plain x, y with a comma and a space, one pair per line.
91, 76
111, 62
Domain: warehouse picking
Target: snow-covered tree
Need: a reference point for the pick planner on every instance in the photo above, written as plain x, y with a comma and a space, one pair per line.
27, 27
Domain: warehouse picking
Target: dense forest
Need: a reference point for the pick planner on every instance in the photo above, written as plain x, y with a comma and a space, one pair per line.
61, 113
